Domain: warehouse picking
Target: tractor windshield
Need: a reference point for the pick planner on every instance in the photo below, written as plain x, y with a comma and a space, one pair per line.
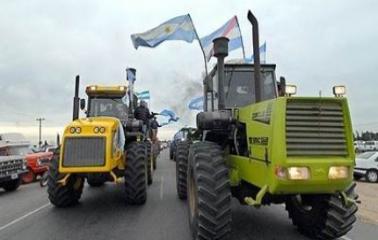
240, 87
111, 107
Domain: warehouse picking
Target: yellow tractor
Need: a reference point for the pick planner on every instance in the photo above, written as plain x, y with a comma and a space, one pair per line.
104, 146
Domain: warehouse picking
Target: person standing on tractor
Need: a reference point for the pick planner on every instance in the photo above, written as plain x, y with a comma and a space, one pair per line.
143, 113
154, 129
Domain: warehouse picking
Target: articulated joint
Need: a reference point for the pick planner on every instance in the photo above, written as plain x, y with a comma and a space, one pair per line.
257, 203
64, 180
115, 178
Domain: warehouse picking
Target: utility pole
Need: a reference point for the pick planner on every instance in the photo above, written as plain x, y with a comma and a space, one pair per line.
40, 131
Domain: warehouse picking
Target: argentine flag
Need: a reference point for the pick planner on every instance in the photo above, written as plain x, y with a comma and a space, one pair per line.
262, 50
178, 28
196, 103
230, 30
145, 95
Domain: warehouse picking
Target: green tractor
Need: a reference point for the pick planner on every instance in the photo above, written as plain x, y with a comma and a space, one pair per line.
262, 145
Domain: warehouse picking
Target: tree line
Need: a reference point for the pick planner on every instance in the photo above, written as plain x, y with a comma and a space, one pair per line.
365, 136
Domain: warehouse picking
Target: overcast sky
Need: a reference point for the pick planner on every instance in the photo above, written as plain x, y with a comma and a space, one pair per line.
44, 44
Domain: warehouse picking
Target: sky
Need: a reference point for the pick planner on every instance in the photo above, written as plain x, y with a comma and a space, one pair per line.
316, 44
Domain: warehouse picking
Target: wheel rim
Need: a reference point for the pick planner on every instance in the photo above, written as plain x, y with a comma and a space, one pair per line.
372, 176
28, 177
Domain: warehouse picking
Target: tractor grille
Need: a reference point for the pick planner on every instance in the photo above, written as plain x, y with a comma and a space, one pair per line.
84, 152
8, 167
315, 128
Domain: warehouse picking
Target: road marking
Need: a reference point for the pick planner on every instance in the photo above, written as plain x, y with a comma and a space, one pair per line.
24, 216
161, 187
345, 238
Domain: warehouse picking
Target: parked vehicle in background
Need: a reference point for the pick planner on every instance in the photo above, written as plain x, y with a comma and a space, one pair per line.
367, 166
359, 146
180, 136
371, 145
12, 167
36, 161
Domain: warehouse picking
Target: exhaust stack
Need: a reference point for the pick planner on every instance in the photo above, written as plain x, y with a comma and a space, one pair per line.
76, 100
220, 52
256, 55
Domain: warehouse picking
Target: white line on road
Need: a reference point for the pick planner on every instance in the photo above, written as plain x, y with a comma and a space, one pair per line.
24, 216
161, 187
345, 238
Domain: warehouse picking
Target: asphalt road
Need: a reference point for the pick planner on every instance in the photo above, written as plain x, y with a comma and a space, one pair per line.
102, 214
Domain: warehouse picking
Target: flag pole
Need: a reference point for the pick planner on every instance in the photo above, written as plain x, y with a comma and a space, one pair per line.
199, 41
241, 37
206, 71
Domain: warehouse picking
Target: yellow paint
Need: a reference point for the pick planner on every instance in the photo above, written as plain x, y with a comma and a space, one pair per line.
114, 157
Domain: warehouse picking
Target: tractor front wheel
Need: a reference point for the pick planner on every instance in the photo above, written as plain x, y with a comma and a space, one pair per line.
182, 168
136, 174
63, 195
322, 216
209, 193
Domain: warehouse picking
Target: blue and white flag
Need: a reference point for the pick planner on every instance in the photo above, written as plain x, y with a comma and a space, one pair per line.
262, 50
178, 28
169, 113
196, 103
145, 95
130, 75
231, 30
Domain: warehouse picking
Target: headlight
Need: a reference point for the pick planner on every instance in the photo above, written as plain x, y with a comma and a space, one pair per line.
298, 173
338, 172
39, 162
93, 88
75, 130
290, 90
339, 91
122, 88
98, 129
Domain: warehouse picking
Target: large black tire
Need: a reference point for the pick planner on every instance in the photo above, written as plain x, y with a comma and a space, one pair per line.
209, 193
136, 174
59, 195
12, 185
96, 179
149, 163
182, 153
323, 216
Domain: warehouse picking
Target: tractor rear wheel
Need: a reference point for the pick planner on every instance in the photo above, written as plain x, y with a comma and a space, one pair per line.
209, 193
12, 185
182, 168
63, 195
322, 216
136, 174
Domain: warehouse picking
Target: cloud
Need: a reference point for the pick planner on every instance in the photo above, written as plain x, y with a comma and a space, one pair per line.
315, 44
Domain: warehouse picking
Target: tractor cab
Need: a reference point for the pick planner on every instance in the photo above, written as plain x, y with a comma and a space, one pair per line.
107, 101
239, 85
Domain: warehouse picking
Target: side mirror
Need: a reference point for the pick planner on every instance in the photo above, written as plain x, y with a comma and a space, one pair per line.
82, 104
